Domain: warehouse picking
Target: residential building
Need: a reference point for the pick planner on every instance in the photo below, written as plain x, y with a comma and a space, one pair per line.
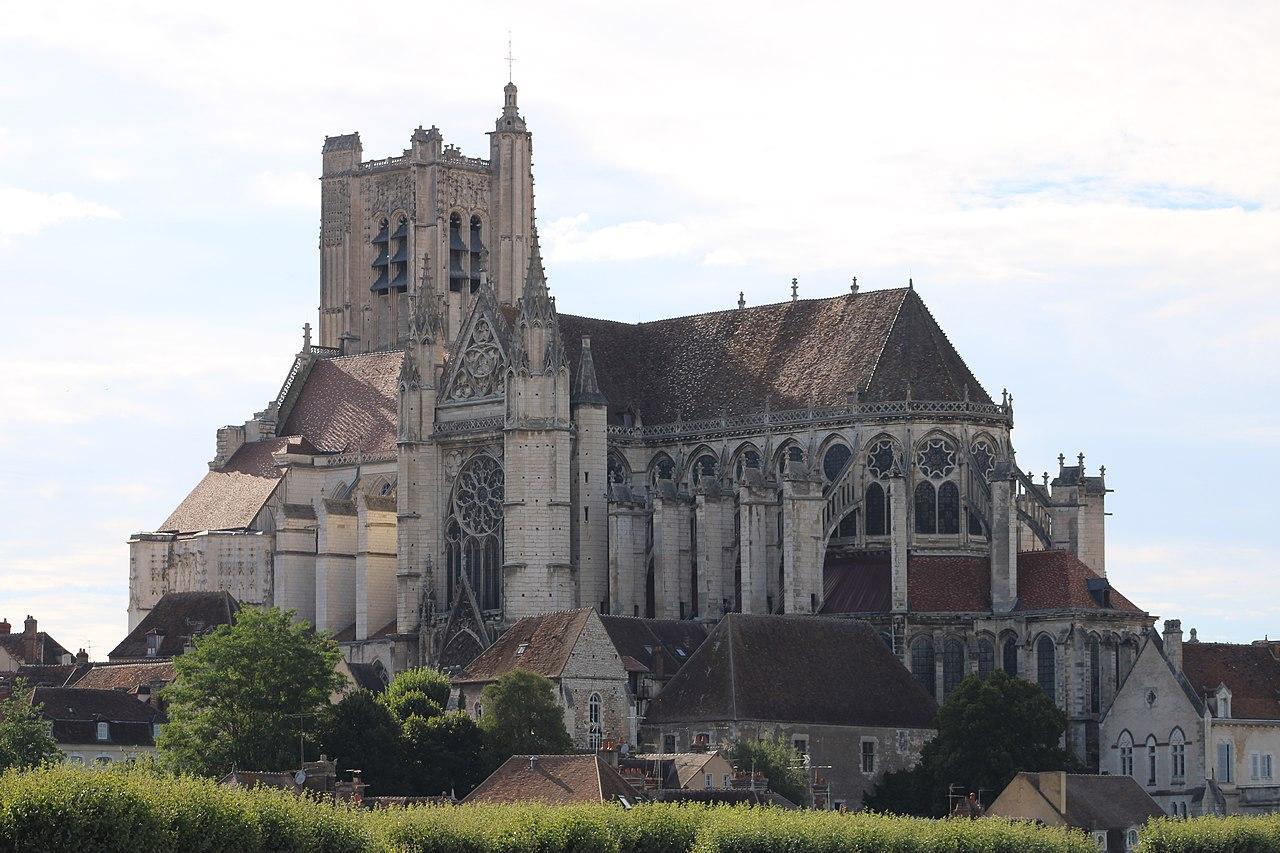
176, 619
708, 770
99, 727
557, 780
32, 647
1112, 810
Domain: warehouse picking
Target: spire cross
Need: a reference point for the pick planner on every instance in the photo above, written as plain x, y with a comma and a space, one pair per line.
510, 58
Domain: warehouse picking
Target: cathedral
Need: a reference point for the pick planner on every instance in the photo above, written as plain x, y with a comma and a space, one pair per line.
452, 453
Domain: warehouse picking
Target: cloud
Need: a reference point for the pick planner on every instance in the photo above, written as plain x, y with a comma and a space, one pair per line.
569, 240
297, 190
25, 213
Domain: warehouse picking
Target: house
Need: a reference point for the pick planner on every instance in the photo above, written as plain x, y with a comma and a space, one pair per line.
141, 679
686, 771
30, 648
653, 651
573, 649
360, 676
1111, 809
1198, 724
558, 780
175, 620
831, 687
99, 727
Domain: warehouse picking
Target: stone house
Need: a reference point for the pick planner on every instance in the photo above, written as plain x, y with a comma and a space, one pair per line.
1198, 725
830, 687
99, 727
708, 770
574, 651
1112, 810
30, 648
558, 780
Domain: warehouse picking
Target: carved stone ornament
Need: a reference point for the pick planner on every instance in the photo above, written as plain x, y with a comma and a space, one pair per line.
481, 367
336, 206
452, 463
466, 191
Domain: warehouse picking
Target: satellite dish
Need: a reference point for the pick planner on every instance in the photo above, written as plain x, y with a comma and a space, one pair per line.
300, 777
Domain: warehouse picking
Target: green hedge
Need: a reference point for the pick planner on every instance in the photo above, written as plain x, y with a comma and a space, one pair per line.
1213, 835
65, 808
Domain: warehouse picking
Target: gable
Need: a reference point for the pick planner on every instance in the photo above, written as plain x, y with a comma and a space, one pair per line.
1130, 709
478, 361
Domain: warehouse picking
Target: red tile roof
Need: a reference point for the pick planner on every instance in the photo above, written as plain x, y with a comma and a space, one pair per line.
232, 496
1251, 672
1049, 580
537, 644
128, 676
349, 404
559, 780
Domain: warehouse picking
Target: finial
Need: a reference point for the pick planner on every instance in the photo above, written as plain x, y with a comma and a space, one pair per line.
742, 302
1081, 458
1102, 470
510, 59
911, 285
853, 288
1004, 396
1045, 477
795, 287
306, 337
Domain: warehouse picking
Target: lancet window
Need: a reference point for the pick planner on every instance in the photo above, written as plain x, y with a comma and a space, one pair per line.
937, 497
1046, 668
877, 501
473, 531
923, 665
835, 461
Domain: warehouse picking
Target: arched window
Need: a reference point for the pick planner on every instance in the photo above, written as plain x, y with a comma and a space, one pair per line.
926, 507
949, 508
618, 470
1177, 755
881, 458
1046, 667
747, 458
1126, 754
1095, 676
593, 709
986, 658
662, 468
1151, 760
477, 253
984, 458
595, 732
704, 467
923, 665
457, 254
835, 460
877, 510
473, 532
1009, 657
952, 666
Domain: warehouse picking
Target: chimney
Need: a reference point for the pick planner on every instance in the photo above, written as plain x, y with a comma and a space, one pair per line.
1054, 787
609, 754
82, 656
29, 627
1173, 642
5, 627
30, 645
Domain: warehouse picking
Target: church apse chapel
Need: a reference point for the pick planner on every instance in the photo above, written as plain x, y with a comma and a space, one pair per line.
454, 453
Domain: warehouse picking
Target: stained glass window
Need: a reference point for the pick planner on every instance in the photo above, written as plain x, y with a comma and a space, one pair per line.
473, 532
952, 666
926, 508
948, 508
936, 458
986, 658
1009, 657
835, 461
881, 457
877, 511
984, 457
923, 666
1046, 668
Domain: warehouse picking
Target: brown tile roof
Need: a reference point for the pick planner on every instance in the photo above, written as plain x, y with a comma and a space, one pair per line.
128, 677
44, 651
658, 646
1251, 672
232, 496
794, 669
1094, 803
75, 713
1047, 580
815, 351
726, 797
177, 616
547, 642
559, 780
349, 404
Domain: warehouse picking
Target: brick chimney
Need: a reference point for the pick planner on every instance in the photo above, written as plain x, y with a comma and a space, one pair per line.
1173, 642
30, 645
82, 656
5, 627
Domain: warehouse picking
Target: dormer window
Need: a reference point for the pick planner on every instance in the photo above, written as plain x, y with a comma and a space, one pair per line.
153, 643
521, 649
1224, 703
104, 731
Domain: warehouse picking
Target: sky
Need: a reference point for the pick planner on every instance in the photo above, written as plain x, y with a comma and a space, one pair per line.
1086, 196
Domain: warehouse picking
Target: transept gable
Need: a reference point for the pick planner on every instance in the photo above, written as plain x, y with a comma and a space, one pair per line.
480, 356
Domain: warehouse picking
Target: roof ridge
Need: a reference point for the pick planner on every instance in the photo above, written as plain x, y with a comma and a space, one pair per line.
884, 342
935, 328
733, 670
860, 295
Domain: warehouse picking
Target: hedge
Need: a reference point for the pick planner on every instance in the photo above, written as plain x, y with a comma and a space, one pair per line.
1235, 834
103, 811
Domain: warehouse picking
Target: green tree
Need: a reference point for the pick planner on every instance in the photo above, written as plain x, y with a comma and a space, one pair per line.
521, 717
25, 740
778, 761
243, 694
989, 730
432, 682
361, 733
444, 754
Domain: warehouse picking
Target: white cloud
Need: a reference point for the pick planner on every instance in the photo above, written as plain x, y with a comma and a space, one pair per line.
25, 213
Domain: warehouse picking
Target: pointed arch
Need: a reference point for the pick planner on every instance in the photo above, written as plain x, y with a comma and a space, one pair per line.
881, 455
836, 455
619, 470
747, 455
473, 531
877, 510
661, 467
789, 451
480, 359
703, 462
1047, 666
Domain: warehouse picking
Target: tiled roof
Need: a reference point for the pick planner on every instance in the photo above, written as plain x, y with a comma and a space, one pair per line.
349, 404
45, 651
177, 617
792, 354
1047, 580
764, 668
42, 675
1251, 672
537, 644
726, 797
75, 713
658, 646
1094, 802
232, 496
559, 780
128, 677
686, 766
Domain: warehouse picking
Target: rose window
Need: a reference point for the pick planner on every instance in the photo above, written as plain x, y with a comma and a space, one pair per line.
936, 458
984, 458
478, 496
881, 457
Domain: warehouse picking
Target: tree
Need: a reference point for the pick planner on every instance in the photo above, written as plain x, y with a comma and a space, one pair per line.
244, 693
361, 733
445, 754
989, 730
431, 682
25, 739
521, 717
778, 761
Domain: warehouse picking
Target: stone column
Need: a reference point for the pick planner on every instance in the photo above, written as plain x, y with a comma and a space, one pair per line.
757, 502
295, 561
671, 554
898, 538
375, 564
1004, 542
802, 543
335, 564
628, 534
714, 511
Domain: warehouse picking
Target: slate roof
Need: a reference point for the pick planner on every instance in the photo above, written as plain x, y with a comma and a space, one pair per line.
349, 404
794, 669
548, 640
559, 780
75, 713
177, 616
815, 351
1095, 802
1251, 672
1047, 580
232, 496
128, 677
657, 646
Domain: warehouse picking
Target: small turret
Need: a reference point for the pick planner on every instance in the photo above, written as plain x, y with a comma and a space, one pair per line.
586, 390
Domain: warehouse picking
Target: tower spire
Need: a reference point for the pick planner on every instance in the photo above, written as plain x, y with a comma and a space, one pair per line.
510, 59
